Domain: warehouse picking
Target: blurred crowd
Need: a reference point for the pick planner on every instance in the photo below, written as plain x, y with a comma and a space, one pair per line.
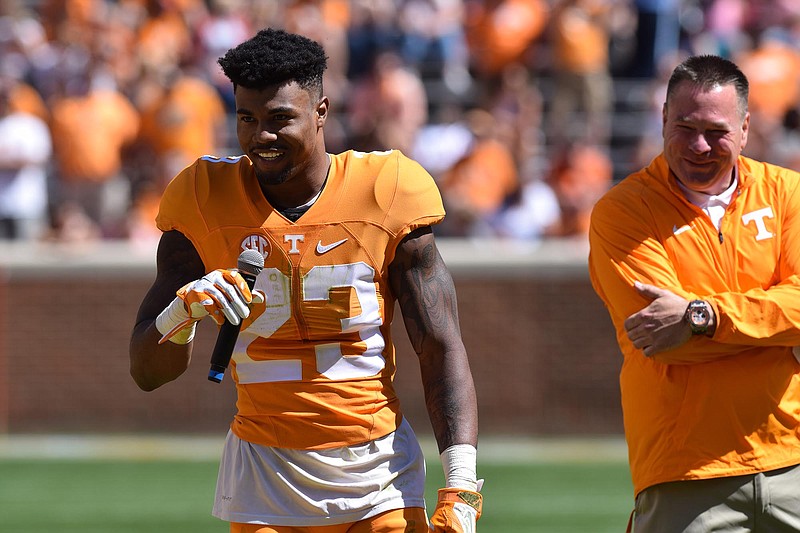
514, 106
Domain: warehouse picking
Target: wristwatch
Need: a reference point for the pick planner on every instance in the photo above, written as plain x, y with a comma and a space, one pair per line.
698, 316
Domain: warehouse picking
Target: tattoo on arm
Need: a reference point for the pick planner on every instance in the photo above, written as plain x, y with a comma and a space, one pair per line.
427, 297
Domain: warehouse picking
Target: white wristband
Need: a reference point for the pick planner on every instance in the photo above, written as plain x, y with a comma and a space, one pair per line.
173, 316
460, 467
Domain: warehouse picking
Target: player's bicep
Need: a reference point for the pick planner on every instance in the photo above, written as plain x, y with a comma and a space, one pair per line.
425, 291
177, 263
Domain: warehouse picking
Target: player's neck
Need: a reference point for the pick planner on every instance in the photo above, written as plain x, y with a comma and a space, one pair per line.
300, 192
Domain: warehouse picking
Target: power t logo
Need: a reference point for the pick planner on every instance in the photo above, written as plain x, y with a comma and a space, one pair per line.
257, 242
759, 218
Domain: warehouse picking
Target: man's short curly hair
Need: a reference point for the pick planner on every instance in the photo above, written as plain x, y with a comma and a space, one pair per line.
274, 57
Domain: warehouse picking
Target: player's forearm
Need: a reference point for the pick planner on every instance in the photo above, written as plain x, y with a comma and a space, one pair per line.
427, 298
153, 364
450, 399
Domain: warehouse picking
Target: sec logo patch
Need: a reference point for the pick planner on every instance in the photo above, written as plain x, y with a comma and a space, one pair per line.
258, 243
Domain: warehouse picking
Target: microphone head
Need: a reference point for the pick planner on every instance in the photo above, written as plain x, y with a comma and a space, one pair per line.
251, 262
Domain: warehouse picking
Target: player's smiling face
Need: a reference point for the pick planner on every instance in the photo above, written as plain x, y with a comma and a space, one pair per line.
280, 129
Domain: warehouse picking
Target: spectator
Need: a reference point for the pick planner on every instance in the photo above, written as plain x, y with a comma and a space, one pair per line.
388, 107
165, 35
186, 119
581, 72
20, 34
475, 189
223, 26
433, 39
501, 32
372, 30
533, 213
517, 103
90, 126
326, 21
442, 142
23, 98
773, 68
725, 25
658, 32
455, 53
580, 175
25, 149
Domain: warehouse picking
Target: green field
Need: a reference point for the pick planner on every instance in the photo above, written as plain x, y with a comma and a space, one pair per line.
586, 494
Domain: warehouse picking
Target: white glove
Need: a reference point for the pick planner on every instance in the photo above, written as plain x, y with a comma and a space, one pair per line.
221, 294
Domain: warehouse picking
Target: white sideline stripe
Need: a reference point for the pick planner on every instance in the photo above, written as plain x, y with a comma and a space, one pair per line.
494, 449
126, 447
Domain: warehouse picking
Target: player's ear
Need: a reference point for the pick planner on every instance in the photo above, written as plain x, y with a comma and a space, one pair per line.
322, 111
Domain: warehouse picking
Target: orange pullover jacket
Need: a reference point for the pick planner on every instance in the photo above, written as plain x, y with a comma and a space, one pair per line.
717, 406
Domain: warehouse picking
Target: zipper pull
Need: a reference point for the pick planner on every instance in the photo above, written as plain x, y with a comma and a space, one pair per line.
720, 237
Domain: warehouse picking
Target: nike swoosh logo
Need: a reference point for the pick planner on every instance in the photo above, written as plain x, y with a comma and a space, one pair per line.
677, 231
324, 248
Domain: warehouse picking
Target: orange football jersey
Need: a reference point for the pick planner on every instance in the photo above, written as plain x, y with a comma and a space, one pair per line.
314, 364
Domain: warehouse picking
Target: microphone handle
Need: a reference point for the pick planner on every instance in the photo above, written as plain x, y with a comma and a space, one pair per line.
226, 340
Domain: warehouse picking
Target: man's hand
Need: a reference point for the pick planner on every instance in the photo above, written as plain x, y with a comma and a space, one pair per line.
221, 294
659, 326
456, 511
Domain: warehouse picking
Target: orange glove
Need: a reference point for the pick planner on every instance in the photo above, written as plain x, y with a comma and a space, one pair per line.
456, 511
221, 294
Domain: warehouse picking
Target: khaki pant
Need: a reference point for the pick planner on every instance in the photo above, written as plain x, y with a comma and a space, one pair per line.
768, 502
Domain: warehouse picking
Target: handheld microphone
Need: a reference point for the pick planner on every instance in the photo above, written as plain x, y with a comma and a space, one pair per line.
249, 264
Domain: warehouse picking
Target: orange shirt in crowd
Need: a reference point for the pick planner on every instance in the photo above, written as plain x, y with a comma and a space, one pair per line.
580, 37
89, 133
499, 34
483, 179
26, 99
184, 123
335, 13
584, 174
164, 39
773, 70
76, 16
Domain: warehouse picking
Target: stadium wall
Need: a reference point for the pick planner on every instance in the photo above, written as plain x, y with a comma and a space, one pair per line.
541, 345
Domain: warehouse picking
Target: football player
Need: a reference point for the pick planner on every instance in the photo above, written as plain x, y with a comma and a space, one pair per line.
318, 442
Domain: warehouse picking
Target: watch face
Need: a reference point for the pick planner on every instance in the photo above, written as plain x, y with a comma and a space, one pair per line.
699, 316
